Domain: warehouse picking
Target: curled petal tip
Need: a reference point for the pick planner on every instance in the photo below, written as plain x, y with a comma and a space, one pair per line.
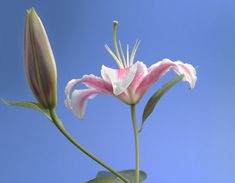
189, 73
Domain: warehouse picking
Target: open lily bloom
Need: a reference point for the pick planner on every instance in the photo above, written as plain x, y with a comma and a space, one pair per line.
128, 83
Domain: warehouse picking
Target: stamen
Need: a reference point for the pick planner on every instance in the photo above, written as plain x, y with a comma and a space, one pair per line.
120, 64
136, 45
115, 23
127, 56
120, 59
123, 56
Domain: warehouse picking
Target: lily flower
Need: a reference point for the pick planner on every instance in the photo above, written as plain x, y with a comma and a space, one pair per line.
128, 83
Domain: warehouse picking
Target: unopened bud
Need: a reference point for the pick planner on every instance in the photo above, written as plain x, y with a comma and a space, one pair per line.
40, 67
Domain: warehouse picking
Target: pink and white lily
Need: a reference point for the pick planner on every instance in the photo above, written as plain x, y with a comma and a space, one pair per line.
128, 83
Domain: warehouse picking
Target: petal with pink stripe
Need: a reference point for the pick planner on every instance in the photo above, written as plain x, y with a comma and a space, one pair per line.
156, 71
92, 82
119, 78
79, 100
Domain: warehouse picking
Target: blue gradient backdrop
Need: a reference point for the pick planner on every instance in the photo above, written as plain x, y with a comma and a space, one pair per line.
190, 138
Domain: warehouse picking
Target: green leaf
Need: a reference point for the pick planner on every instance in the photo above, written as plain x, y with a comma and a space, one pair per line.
128, 174
104, 174
31, 105
105, 179
156, 97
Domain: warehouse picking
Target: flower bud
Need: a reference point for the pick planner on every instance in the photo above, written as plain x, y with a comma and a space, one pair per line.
40, 67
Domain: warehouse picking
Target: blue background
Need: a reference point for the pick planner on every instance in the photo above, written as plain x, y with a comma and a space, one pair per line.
190, 137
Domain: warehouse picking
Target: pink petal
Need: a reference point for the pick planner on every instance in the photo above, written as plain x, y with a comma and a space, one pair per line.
188, 71
96, 82
89, 80
141, 72
119, 78
79, 100
156, 71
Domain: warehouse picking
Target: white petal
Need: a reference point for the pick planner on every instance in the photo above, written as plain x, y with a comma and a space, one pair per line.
79, 100
119, 78
189, 73
70, 85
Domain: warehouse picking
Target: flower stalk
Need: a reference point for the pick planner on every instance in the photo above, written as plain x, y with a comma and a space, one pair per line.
137, 153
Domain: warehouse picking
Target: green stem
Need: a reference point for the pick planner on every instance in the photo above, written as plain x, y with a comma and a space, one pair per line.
58, 124
137, 154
